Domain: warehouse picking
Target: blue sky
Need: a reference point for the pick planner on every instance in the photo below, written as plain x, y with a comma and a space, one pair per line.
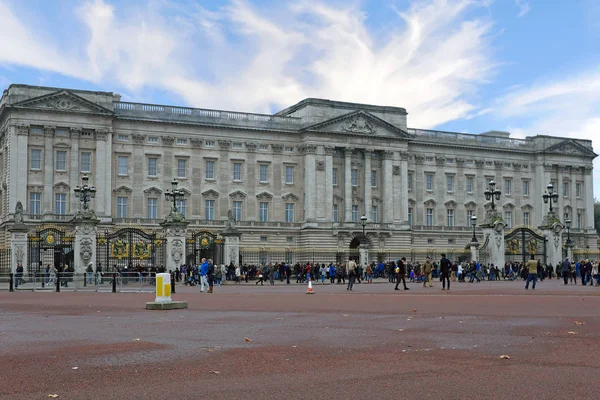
525, 66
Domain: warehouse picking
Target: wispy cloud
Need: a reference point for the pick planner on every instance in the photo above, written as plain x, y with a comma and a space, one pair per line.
568, 107
431, 60
523, 7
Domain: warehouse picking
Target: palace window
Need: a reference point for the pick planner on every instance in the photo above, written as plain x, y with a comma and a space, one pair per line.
373, 178
209, 210
289, 212
36, 159
289, 175
237, 210
237, 171
410, 181
210, 169
355, 213
428, 182
410, 216
579, 220
526, 218
525, 188
578, 190
374, 214
336, 217
152, 208
181, 168
181, 141
237, 145
123, 165
450, 183
469, 184
354, 177
152, 139
263, 173
470, 213
152, 166
508, 219
60, 203
85, 161
121, 207
334, 173
566, 189
507, 187
264, 211
450, 215
181, 206
61, 160
429, 217
35, 203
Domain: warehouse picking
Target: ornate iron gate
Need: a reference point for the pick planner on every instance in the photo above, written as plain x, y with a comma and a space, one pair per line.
50, 246
204, 244
129, 248
521, 242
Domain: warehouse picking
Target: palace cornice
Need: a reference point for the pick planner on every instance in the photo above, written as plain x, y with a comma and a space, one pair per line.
10, 107
471, 148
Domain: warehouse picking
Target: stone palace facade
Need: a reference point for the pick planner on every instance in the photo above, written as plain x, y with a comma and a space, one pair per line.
298, 179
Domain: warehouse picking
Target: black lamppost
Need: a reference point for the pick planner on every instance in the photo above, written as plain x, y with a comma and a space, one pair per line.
568, 226
474, 223
550, 196
85, 193
174, 194
492, 193
363, 222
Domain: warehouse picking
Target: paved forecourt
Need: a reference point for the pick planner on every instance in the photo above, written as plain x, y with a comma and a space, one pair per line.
248, 341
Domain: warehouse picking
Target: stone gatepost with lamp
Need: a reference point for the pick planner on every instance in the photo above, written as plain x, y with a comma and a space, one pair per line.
493, 227
175, 229
85, 223
552, 229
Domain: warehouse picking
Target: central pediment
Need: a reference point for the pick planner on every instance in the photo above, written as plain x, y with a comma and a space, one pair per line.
358, 123
64, 101
570, 147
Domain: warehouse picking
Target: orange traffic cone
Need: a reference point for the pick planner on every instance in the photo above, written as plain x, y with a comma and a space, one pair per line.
310, 289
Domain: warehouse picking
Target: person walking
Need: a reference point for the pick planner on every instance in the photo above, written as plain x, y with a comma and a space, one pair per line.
400, 273
427, 268
210, 275
351, 274
565, 270
445, 267
532, 267
203, 275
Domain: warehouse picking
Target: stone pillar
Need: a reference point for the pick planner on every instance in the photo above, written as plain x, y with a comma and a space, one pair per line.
21, 164
85, 243
48, 205
100, 174
553, 234
18, 248
388, 204
474, 252
495, 231
310, 178
588, 184
367, 180
232, 247
175, 234
404, 188
348, 184
74, 168
329, 151
363, 252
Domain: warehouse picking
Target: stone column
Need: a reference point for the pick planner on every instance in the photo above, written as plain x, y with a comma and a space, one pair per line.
74, 168
474, 256
367, 180
495, 231
232, 246
85, 243
553, 234
100, 174
18, 248
310, 182
588, 184
19, 177
348, 184
363, 252
175, 234
404, 188
388, 204
329, 151
48, 169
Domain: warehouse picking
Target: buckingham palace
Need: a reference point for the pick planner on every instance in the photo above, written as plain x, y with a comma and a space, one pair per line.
315, 180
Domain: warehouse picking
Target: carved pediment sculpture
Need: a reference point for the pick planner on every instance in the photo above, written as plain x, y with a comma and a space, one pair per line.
359, 124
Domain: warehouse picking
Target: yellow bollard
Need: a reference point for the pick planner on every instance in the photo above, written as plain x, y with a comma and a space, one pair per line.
163, 288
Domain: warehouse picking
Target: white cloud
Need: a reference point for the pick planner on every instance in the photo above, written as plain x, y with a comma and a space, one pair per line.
431, 60
568, 107
523, 7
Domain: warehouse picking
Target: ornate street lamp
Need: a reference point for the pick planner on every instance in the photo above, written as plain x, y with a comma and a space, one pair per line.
492, 193
474, 223
550, 196
85, 193
363, 222
568, 226
174, 194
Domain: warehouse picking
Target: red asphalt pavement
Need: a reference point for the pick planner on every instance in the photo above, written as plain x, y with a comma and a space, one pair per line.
372, 342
